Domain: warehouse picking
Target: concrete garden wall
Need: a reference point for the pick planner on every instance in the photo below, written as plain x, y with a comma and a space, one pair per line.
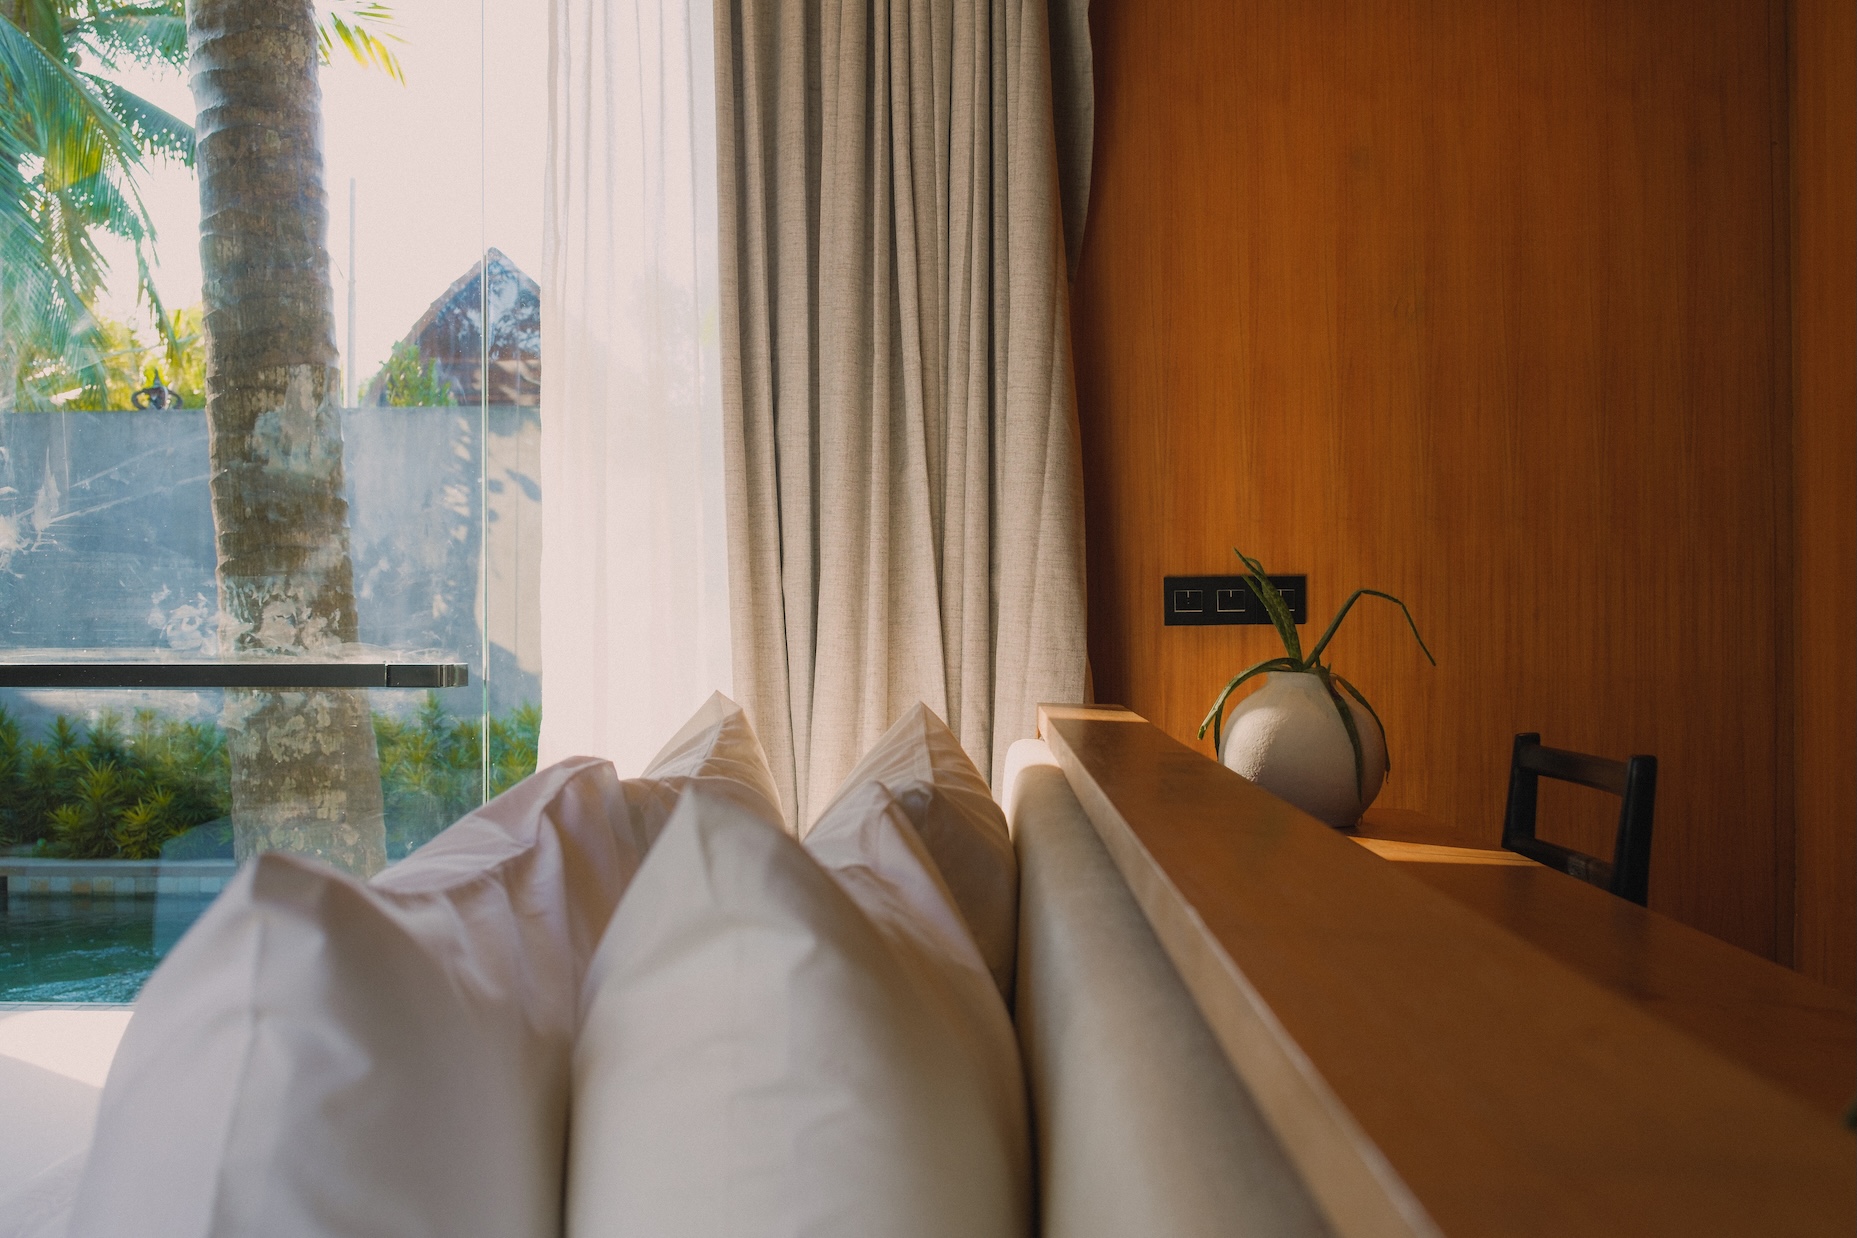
106, 543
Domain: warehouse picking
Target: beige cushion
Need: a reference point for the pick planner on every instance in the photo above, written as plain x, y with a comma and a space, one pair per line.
774, 1048
323, 1056
1142, 1126
923, 765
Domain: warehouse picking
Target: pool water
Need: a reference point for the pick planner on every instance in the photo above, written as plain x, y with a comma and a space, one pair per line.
77, 949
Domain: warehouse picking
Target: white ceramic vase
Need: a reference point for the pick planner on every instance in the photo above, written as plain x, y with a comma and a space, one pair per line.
1287, 738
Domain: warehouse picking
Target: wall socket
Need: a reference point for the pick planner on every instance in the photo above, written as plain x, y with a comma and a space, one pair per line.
1216, 601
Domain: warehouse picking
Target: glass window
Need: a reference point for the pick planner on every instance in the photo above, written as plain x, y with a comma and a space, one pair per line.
304, 435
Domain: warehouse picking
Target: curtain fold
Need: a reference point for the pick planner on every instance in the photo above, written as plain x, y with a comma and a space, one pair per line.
1073, 110
904, 489
634, 572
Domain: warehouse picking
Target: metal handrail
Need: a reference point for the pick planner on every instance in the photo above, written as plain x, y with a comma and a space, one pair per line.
277, 673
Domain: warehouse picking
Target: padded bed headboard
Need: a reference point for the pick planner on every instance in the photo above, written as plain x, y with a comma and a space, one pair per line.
1141, 1126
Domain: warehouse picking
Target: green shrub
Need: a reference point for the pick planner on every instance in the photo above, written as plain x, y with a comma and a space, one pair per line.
100, 792
512, 746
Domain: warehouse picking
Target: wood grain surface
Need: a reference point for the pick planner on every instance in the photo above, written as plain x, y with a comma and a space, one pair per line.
1824, 318
1428, 1071
1435, 853
1787, 1028
1795, 1030
1473, 301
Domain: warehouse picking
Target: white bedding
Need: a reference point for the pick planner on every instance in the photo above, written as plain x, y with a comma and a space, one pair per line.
52, 1067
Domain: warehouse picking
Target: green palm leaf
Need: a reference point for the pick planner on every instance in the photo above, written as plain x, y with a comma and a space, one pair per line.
142, 34
49, 98
362, 43
151, 129
42, 20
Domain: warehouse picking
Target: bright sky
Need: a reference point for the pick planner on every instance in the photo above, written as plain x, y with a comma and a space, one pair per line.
433, 184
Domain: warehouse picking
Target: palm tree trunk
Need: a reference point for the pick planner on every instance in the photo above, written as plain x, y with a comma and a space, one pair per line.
305, 774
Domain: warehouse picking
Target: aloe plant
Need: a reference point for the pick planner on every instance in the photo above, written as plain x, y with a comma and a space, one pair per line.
1296, 662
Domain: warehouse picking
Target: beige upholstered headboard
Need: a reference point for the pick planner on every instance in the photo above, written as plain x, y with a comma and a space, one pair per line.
1141, 1126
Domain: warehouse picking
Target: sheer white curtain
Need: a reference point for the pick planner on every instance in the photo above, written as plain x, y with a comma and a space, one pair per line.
634, 574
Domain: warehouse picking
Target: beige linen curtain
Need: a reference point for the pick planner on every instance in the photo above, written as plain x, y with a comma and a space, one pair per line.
904, 490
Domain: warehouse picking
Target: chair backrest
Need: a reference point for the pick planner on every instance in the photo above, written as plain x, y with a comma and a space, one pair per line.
1634, 781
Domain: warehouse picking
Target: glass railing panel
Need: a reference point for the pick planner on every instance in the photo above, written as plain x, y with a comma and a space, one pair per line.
123, 810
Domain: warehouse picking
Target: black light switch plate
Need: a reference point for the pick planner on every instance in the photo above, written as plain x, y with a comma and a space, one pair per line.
1216, 601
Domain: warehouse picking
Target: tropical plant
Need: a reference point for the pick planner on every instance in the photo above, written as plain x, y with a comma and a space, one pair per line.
512, 747
162, 787
72, 142
431, 766
178, 363
431, 771
103, 793
404, 383
305, 775
354, 26
130, 364
1295, 661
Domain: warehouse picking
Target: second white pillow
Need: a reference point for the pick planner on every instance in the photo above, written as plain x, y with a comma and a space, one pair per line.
771, 1048
923, 765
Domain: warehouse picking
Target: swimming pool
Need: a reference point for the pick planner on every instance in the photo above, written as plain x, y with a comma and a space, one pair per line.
80, 949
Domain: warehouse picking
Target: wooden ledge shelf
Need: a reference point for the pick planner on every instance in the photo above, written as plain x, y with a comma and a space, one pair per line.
1427, 1071
1785, 1027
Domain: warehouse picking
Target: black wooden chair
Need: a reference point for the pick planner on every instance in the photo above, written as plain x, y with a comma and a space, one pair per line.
1628, 873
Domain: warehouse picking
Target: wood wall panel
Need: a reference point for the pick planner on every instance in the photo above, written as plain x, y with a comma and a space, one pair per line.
1472, 301
1824, 251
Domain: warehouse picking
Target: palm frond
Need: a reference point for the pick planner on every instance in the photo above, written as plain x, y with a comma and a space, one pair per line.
42, 21
153, 130
71, 143
143, 34
357, 34
49, 100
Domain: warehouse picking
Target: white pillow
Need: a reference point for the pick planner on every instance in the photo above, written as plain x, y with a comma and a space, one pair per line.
923, 765
716, 747
718, 742
771, 1049
323, 1056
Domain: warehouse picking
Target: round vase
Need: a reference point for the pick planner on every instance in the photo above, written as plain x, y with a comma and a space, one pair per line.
1288, 739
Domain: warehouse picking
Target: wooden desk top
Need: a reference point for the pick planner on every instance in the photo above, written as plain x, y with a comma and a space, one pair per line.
1786, 1027
1428, 1071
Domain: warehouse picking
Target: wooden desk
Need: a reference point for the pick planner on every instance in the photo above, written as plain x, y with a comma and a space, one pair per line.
1783, 1026
1427, 1071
